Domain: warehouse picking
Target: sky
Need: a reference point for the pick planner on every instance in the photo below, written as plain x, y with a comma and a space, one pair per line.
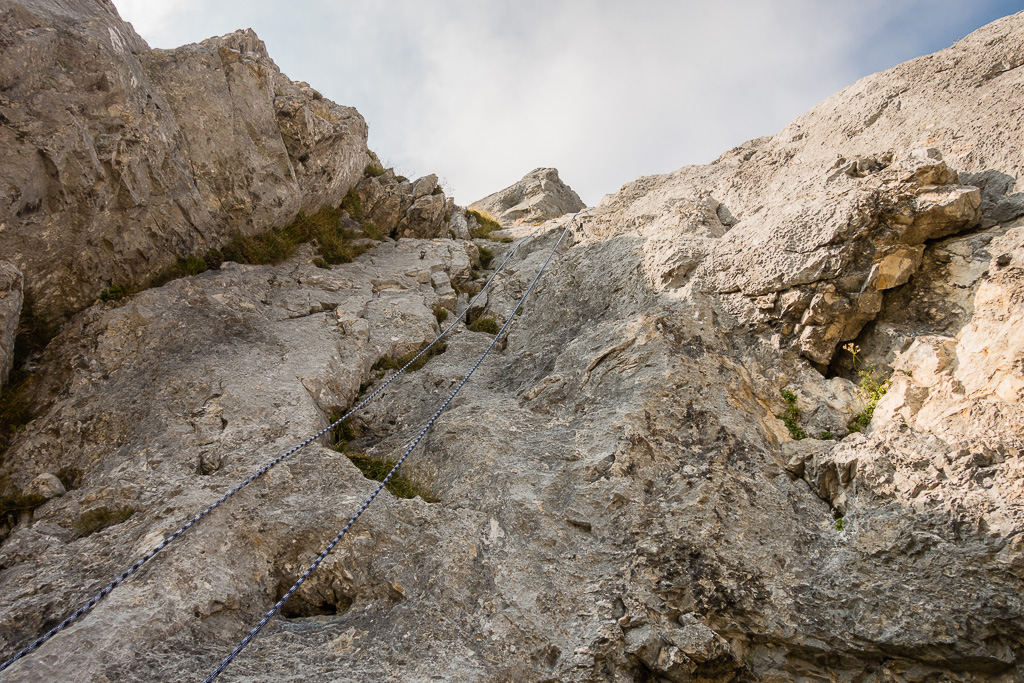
481, 92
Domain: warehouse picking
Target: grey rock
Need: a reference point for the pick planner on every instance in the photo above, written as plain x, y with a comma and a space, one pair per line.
617, 500
404, 209
11, 297
119, 159
539, 196
46, 485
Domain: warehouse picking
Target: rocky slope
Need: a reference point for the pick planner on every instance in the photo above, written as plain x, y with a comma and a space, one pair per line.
617, 500
539, 196
118, 159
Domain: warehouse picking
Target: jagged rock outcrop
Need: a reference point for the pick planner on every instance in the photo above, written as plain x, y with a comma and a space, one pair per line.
539, 196
11, 298
118, 159
617, 499
399, 207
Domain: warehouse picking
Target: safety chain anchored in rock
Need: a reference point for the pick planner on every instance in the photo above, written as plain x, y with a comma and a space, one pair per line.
330, 546
81, 611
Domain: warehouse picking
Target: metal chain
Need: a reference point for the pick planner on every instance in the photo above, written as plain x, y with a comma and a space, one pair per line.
330, 546
256, 475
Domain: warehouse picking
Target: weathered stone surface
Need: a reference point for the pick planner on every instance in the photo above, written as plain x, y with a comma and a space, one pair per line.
539, 196
617, 498
400, 208
11, 297
46, 485
118, 159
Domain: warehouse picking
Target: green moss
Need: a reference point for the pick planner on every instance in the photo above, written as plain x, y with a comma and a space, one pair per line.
840, 524
486, 324
395, 362
790, 415
486, 256
100, 518
399, 485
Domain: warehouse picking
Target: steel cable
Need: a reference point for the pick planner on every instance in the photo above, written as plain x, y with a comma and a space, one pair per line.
77, 614
330, 546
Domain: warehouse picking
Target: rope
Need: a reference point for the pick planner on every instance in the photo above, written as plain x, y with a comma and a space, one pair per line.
36, 644
330, 546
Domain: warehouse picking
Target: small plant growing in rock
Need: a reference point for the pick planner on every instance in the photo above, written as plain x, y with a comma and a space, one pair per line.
485, 225
825, 435
372, 231
373, 170
437, 190
353, 205
441, 313
486, 324
840, 524
397, 362
873, 390
486, 256
399, 485
100, 518
790, 415
853, 350
114, 293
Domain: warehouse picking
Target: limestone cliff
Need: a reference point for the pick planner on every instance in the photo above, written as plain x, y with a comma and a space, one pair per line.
623, 492
118, 159
539, 196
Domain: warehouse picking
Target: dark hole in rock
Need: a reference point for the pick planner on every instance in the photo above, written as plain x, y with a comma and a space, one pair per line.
312, 601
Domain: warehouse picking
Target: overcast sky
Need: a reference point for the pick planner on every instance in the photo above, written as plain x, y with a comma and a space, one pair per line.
481, 92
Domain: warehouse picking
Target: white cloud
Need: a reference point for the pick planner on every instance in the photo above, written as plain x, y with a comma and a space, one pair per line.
483, 92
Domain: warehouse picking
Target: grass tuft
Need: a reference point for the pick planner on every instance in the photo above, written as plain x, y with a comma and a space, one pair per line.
353, 205
486, 324
373, 170
486, 225
396, 362
441, 313
100, 518
399, 485
486, 256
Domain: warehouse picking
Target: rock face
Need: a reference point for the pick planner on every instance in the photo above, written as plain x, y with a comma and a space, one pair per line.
403, 208
11, 297
539, 196
617, 497
118, 159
